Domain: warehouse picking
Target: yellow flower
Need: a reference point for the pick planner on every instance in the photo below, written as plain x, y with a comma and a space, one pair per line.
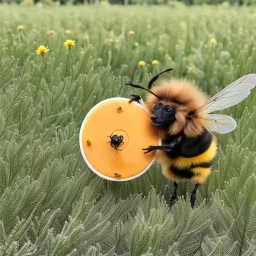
50, 33
68, 32
42, 50
82, 52
192, 69
131, 33
155, 62
142, 63
136, 44
213, 41
163, 36
69, 43
20, 27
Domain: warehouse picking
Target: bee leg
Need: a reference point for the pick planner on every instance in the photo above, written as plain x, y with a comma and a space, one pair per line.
174, 195
136, 98
167, 147
193, 195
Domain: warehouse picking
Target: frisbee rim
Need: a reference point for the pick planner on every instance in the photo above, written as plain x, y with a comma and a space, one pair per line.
84, 156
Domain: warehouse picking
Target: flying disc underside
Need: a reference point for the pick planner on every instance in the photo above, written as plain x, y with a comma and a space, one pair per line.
117, 116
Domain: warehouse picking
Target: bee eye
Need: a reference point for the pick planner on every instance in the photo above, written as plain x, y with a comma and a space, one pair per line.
168, 109
157, 106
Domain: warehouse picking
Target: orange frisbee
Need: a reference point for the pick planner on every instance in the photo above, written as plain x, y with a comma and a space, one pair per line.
111, 119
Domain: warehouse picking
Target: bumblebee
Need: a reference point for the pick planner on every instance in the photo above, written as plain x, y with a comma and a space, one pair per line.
182, 116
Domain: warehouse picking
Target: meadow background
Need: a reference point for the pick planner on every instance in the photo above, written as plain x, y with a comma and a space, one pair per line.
50, 202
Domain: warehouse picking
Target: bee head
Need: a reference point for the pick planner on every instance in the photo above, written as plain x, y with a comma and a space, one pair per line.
163, 115
174, 110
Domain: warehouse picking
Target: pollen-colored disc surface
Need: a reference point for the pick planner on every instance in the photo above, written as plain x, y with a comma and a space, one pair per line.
131, 123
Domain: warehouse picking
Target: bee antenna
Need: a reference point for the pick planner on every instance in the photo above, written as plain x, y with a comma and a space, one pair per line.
140, 87
154, 78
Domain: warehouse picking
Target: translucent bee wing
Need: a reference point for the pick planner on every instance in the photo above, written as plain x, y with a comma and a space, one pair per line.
230, 95
220, 123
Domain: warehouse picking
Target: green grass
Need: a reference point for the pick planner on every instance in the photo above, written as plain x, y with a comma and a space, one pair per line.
50, 202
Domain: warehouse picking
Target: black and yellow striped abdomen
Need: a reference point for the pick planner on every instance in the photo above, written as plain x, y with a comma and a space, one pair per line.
191, 160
